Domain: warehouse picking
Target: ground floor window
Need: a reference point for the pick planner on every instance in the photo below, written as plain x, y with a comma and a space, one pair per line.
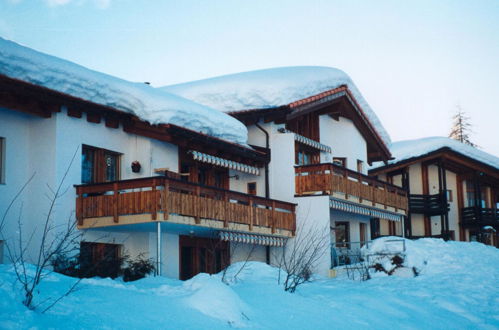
202, 255
342, 232
375, 228
100, 259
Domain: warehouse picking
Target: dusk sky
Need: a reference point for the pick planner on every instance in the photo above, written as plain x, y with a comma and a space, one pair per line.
414, 61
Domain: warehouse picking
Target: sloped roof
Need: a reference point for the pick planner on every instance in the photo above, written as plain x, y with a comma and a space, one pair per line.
147, 103
412, 149
272, 88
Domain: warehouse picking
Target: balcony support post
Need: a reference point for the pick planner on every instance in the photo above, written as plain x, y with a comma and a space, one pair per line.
158, 248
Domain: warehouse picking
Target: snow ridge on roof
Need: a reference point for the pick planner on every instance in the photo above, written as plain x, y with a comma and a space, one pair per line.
271, 88
148, 103
403, 150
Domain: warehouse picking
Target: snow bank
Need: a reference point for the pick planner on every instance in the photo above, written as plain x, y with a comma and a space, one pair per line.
215, 299
403, 150
144, 101
435, 256
271, 88
457, 289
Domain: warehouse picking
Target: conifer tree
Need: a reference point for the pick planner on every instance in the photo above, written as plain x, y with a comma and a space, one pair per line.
461, 128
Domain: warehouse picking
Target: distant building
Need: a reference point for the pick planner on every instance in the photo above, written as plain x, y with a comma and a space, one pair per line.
453, 188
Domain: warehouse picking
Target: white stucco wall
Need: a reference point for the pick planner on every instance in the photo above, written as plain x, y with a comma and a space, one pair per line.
344, 139
312, 217
45, 147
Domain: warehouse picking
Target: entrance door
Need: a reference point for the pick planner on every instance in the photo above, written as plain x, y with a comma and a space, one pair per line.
363, 233
202, 255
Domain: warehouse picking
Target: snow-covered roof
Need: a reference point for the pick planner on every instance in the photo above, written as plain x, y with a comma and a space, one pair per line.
271, 88
150, 104
404, 150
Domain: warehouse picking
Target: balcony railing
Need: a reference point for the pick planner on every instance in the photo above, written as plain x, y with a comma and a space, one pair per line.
163, 197
330, 178
428, 204
480, 216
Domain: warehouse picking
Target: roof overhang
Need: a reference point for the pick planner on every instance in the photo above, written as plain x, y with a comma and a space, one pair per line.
37, 100
449, 159
337, 102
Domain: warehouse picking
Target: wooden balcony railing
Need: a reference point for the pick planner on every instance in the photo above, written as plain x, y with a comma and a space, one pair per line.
428, 204
480, 216
163, 196
329, 178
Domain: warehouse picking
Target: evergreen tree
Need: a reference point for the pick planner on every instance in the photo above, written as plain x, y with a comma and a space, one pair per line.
461, 128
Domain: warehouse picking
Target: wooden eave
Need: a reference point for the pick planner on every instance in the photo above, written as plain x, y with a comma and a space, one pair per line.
450, 159
37, 100
252, 116
335, 103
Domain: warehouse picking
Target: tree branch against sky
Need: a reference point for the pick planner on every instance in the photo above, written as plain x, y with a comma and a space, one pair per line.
461, 127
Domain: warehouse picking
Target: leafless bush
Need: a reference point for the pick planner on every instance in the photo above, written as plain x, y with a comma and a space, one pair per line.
242, 265
300, 256
55, 240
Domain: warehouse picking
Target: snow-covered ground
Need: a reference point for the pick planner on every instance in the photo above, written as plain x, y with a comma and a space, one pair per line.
456, 289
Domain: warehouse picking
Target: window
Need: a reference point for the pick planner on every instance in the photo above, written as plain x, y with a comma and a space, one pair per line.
342, 234
340, 161
100, 259
360, 166
470, 194
375, 228
252, 188
2, 160
99, 165
305, 155
448, 193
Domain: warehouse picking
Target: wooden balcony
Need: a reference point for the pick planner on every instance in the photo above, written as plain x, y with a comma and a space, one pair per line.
166, 199
478, 216
344, 183
430, 205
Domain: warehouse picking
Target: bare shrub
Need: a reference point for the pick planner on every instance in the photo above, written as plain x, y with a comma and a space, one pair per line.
56, 240
138, 268
300, 256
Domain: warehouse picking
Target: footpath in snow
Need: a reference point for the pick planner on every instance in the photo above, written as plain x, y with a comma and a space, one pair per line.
456, 289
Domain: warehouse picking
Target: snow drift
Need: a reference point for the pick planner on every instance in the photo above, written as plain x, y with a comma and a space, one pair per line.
456, 289
144, 101
271, 88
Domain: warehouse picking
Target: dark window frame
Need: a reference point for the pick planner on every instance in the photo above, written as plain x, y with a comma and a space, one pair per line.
340, 161
98, 164
252, 190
